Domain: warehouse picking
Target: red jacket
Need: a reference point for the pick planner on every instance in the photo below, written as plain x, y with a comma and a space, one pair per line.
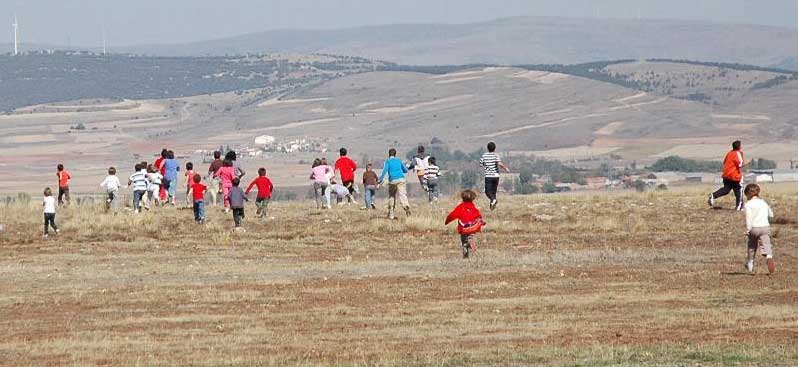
347, 167
466, 214
264, 185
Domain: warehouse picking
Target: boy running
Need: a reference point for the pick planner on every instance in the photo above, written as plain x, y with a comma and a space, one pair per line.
491, 162
237, 199
732, 176
215, 183
198, 194
49, 213
419, 166
139, 182
757, 224
432, 178
347, 167
397, 185
265, 189
111, 185
63, 184
370, 180
469, 221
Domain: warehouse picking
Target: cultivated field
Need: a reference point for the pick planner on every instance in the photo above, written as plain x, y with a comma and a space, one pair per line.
616, 279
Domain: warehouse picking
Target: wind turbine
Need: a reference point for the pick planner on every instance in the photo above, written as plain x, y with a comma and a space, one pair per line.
16, 35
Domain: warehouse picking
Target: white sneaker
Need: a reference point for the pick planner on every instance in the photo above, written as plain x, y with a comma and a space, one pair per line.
711, 200
749, 266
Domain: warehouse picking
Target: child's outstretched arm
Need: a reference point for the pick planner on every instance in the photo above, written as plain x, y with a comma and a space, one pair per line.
249, 188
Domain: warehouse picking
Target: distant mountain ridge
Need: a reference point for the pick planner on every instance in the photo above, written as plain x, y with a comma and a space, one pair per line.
520, 40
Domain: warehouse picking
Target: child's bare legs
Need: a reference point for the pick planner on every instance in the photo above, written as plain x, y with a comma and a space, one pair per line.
469, 244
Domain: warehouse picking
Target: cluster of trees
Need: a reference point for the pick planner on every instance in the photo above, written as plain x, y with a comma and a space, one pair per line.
679, 164
45, 78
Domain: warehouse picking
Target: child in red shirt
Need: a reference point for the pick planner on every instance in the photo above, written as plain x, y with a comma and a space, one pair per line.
469, 221
198, 194
63, 184
265, 189
189, 181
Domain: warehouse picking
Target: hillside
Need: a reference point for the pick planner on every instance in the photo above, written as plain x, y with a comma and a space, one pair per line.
520, 40
597, 110
40, 78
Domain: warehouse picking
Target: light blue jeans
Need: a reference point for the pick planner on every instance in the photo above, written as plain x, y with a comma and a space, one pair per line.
370, 193
173, 188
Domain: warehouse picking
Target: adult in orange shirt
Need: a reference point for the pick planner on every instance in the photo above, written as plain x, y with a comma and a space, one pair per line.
732, 176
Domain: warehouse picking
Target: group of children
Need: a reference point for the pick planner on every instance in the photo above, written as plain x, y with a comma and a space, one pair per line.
155, 180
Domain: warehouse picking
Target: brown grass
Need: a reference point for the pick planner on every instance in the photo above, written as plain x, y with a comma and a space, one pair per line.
573, 280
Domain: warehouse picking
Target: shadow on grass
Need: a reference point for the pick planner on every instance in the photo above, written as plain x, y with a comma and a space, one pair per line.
737, 273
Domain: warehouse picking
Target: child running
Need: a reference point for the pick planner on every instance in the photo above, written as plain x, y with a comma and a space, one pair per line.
138, 180
320, 174
469, 221
341, 192
397, 184
265, 189
237, 199
370, 185
63, 184
171, 167
757, 224
49, 213
154, 189
111, 185
189, 181
226, 174
432, 179
198, 194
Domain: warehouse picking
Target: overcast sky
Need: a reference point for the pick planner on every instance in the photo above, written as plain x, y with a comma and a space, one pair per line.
80, 22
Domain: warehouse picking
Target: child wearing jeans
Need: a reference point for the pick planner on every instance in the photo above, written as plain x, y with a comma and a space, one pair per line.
138, 180
111, 185
432, 178
757, 224
237, 199
198, 196
370, 179
469, 221
265, 189
49, 213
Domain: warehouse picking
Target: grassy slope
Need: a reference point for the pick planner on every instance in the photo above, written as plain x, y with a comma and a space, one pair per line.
590, 280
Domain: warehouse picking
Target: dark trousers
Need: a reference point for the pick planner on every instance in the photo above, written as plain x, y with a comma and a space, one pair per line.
199, 210
491, 187
49, 221
238, 215
63, 194
731, 186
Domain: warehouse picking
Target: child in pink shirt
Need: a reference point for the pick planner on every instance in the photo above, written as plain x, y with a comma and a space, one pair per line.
226, 174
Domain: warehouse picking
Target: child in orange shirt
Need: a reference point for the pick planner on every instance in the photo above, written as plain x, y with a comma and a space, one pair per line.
63, 185
469, 221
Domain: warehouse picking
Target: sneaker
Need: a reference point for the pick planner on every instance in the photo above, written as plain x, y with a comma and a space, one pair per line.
493, 204
407, 211
749, 266
373, 206
46, 235
711, 200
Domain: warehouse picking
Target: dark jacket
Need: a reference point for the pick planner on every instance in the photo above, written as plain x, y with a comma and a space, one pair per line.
237, 197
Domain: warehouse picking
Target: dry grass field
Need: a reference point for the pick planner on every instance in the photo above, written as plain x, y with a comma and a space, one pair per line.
616, 279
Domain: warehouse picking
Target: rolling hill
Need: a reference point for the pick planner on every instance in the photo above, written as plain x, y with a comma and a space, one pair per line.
521, 40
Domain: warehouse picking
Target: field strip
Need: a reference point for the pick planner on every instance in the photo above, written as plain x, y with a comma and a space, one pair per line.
545, 124
400, 109
556, 112
464, 79
628, 106
542, 77
741, 117
292, 125
610, 128
278, 101
468, 73
629, 98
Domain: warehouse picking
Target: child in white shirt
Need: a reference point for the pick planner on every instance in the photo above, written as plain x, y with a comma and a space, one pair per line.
757, 215
49, 213
155, 179
111, 185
